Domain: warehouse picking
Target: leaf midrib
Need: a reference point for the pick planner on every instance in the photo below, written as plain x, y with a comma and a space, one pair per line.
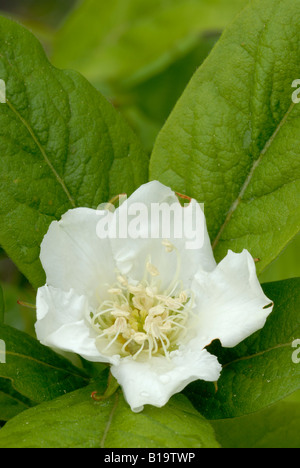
42, 363
249, 177
43, 153
109, 421
260, 353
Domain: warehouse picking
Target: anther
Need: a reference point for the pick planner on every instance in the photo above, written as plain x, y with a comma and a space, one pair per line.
152, 269
115, 291
168, 245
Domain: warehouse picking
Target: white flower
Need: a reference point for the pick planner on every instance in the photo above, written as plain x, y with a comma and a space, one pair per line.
147, 306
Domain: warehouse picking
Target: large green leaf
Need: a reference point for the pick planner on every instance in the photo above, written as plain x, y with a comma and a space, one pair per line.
123, 42
273, 427
260, 371
233, 138
62, 145
36, 372
76, 421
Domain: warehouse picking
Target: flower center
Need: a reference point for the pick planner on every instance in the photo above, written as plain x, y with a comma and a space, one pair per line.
140, 322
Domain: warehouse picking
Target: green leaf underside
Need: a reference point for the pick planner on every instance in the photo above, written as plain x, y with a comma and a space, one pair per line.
273, 427
36, 372
260, 371
237, 131
124, 43
75, 420
62, 146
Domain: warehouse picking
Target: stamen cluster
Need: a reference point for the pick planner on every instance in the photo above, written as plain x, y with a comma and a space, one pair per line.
138, 320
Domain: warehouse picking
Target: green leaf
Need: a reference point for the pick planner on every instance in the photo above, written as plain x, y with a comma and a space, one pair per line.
124, 42
274, 427
260, 371
147, 105
232, 141
285, 266
62, 146
10, 407
36, 372
11, 402
157, 96
20, 310
76, 421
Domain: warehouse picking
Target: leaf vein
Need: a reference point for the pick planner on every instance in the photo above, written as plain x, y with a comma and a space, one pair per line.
249, 177
106, 430
46, 364
261, 353
47, 160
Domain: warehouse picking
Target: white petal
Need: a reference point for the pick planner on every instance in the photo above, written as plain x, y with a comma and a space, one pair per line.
154, 382
230, 301
74, 257
61, 324
131, 254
